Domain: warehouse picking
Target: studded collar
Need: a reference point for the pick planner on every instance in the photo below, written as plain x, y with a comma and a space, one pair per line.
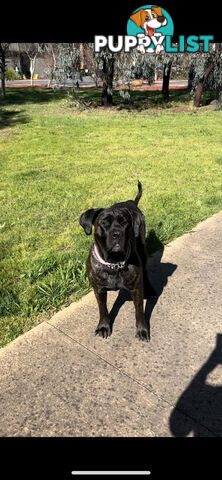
112, 266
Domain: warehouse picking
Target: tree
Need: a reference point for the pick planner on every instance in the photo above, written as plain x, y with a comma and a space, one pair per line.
142, 66
166, 78
122, 67
167, 60
137, 65
91, 62
106, 61
202, 80
52, 51
176, 60
67, 62
31, 50
126, 67
206, 72
3, 50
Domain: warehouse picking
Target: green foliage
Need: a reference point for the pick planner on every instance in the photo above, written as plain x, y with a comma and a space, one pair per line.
125, 95
126, 66
10, 74
104, 57
68, 62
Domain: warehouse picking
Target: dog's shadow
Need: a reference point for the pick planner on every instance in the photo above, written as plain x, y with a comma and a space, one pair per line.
157, 274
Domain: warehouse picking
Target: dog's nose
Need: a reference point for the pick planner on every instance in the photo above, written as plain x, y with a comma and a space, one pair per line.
116, 234
161, 19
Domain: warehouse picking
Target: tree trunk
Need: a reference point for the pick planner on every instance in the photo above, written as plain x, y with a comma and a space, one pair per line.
3, 84
52, 69
156, 69
2, 71
31, 70
166, 80
199, 89
107, 95
108, 72
32, 67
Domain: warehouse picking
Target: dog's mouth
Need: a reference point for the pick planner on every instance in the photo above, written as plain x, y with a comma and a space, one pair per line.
116, 248
150, 31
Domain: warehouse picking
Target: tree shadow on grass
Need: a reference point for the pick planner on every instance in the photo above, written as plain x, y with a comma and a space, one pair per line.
18, 96
9, 118
139, 99
91, 98
157, 274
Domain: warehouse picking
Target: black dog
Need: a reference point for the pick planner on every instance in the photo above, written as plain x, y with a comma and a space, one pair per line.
117, 258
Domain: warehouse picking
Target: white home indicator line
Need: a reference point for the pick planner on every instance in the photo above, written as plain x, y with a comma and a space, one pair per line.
111, 472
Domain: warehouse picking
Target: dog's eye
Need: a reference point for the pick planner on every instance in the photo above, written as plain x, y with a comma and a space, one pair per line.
122, 221
105, 223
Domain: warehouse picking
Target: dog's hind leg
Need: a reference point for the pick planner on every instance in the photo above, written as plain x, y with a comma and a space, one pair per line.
149, 291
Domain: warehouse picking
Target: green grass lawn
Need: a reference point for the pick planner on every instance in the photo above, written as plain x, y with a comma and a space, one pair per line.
57, 160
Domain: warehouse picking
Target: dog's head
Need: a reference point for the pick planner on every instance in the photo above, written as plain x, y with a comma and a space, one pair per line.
114, 228
149, 19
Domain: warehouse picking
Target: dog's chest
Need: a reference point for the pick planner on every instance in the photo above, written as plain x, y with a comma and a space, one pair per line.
116, 279
113, 280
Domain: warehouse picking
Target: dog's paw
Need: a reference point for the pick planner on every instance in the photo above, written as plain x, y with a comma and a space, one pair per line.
142, 333
103, 331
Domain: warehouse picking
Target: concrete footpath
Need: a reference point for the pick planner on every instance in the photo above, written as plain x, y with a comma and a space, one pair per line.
61, 380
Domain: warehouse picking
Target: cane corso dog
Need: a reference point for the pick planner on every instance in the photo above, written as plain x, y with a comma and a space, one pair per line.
117, 258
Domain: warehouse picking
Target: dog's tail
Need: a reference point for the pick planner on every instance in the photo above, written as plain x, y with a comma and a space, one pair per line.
139, 194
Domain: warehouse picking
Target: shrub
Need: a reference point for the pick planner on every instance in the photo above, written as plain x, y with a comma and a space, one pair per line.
10, 74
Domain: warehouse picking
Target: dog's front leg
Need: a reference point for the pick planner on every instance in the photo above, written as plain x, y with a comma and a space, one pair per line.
103, 328
142, 331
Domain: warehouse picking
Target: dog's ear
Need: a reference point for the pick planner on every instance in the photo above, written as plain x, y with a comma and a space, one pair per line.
157, 10
136, 222
136, 18
88, 218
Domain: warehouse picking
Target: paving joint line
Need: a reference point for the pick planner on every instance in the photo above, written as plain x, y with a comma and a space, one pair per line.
132, 379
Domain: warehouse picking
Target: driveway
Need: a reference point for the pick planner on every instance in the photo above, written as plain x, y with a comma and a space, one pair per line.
60, 380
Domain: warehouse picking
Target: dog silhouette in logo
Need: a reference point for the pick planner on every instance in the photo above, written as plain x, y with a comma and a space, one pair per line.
149, 20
